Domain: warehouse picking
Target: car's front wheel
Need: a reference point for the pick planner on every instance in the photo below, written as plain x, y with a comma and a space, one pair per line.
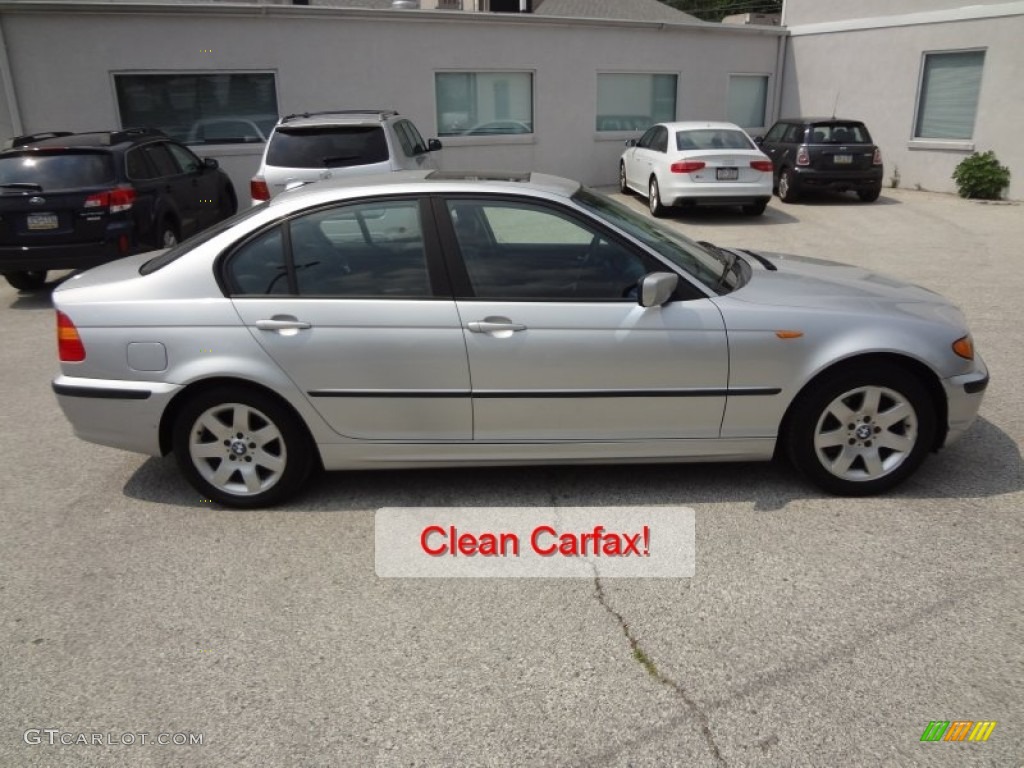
787, 187
861, 432
654, 199
241, 448
168, 235
26, 281
623, 186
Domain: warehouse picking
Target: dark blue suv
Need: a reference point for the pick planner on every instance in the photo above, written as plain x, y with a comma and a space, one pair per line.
75, 200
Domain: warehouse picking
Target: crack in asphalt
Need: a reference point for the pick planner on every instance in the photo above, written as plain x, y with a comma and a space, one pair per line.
648, 664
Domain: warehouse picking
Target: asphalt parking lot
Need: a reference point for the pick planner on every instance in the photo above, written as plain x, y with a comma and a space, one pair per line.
816, 632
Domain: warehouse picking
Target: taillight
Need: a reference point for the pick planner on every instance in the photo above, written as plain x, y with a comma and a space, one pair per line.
258, 189
877, 157
116, 200
686, 166
803, 157
761, 165
69, 343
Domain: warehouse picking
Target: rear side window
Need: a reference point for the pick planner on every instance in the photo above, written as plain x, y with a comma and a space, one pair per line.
839, 133
327, 147
711, 138
54, 171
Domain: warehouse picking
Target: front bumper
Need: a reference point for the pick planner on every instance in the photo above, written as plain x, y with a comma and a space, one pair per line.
964, 394
119, 414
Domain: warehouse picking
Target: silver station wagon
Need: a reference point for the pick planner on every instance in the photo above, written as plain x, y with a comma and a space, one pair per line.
436, 319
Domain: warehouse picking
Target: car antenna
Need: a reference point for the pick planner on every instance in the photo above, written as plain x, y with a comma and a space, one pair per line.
834, 105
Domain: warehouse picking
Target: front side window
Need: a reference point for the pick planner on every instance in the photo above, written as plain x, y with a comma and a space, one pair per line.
748, 99
199, 107
187, 162
484, 103
634, 102
947, 102
522, 251
776, 133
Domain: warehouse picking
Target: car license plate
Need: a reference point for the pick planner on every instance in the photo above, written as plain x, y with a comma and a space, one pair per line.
37, 221
727, 174
842, 159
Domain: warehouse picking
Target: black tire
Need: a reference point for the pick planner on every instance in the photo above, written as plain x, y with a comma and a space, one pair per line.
623, 186
787, 187
26, 281
654, 199
869, 195
266, 465
755, 209
890, 437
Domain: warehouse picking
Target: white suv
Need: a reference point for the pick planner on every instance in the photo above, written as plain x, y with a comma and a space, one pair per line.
321, 145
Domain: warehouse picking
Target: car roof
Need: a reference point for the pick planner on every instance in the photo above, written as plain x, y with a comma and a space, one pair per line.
418, 182
339, 117
819, 120
694, 125
97, 139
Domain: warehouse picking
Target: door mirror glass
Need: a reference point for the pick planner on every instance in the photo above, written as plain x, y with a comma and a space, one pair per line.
657, 288
210, 163
433, 145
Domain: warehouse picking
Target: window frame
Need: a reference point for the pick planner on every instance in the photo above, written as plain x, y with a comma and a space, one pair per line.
461, 139
114, 74
921, 142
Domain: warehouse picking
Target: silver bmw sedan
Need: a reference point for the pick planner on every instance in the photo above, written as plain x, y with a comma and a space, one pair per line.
439, 319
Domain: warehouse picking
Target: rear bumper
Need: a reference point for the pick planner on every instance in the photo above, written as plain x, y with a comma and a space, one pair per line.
718, 193
963, 396
30, 258
841, 181
120, 414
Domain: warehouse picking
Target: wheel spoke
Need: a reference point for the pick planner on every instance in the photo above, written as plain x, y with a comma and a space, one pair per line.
831, 439
208, 450
264, 435
841, 411
843, 461
872, 398
215, 426
268, 461
894, 415
223, 474
250, 477
240, 419
894, 442
873, 462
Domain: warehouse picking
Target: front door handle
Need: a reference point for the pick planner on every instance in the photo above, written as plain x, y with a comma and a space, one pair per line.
495, 325
282, 324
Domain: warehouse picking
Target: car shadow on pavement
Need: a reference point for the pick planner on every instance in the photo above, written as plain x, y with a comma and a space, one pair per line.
729, 217
826, 198
986, 462
40, 298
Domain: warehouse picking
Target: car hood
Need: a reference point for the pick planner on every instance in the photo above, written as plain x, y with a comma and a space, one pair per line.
799, 281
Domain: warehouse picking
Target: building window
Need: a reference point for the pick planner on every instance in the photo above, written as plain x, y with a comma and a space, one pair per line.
484, 103
634, 102
948, 99
748, 99
224, 108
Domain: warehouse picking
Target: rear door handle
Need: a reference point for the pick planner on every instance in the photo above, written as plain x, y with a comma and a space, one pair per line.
282, 324
494, 326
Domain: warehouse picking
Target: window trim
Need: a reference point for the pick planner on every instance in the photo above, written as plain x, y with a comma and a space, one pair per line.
462, 140
629, 134
272, 71
923, 142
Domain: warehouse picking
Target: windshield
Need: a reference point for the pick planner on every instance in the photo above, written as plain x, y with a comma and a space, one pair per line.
196, 240
52, 171
700, 262
334, 146
713, 138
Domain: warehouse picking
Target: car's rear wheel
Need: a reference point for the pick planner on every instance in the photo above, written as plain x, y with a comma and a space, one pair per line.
623, 186
241, 448
654, 199
787, 187
755, 209
861, 432
869, 195
26, 281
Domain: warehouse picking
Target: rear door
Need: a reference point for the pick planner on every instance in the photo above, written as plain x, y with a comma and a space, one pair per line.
361, 319
45, 197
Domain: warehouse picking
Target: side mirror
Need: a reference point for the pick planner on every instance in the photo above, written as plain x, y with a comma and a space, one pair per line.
630, 142
657, 288
759, 140
433, 145
211, 163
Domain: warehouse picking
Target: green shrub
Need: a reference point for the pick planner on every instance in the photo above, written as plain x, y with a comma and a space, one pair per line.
981, 176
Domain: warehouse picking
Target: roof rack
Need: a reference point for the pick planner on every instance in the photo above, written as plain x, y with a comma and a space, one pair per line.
129, 133
31, 138
379, 112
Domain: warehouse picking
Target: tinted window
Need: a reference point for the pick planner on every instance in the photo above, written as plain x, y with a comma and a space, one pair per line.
713, 139
660, 139
160, 158
794, 134
521, 251
187, 162
53, 171
370, 249
775, 134
839, 133
135, 164
327, 147
648, 138
258, 267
